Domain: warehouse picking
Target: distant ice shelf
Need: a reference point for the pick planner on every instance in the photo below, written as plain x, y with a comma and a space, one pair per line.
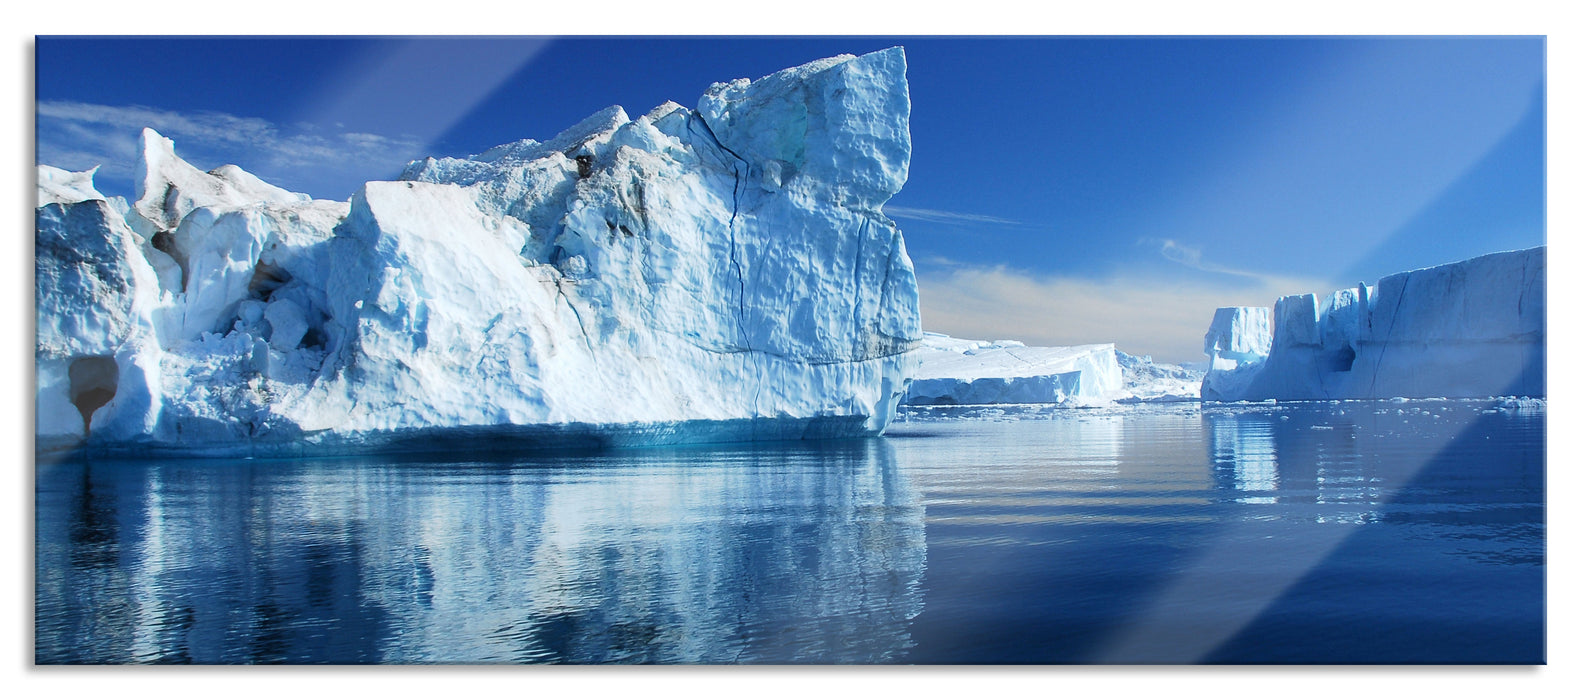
954, 371
718, 273
1474, 328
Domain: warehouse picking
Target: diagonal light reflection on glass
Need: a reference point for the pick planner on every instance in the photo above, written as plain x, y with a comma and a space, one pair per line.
1339, 166
361, 116
1155, 633
1240, 574
431, 83
1169, 629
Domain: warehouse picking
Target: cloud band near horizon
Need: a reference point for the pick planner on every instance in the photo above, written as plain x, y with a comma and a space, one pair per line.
1142, 315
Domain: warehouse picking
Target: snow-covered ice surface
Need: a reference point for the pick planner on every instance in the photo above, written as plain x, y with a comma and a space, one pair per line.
1474, 328
723, 273
955, 371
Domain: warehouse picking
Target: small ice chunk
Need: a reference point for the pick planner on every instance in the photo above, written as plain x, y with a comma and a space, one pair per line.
288, 324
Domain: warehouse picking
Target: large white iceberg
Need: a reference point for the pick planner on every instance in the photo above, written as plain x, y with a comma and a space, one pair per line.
1468, 329
722, 273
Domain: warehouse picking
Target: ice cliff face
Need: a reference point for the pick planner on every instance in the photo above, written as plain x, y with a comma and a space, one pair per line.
1468, 329
689, 275
1238, 334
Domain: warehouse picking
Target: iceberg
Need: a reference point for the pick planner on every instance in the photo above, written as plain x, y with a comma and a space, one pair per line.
1147, 381
712, 274
1469, 329
953, 371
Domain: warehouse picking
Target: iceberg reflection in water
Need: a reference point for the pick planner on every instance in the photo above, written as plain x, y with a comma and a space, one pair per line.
1248, 451
798, 552
1348, 532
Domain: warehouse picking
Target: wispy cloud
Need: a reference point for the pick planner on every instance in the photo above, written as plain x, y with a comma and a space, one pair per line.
210, 126
80, 135
1192, 257
1147, 315
946, 217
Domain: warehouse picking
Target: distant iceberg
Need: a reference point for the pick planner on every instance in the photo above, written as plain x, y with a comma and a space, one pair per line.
1145, 381
955, 371
1474, 328
952, 371
723, 273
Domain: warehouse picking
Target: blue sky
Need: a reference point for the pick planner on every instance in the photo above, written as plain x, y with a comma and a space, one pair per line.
1062, 191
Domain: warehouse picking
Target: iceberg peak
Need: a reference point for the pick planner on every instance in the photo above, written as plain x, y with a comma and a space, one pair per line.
169, 188
801, 121
57, 186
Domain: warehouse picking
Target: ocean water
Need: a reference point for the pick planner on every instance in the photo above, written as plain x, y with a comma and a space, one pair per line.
1354, 532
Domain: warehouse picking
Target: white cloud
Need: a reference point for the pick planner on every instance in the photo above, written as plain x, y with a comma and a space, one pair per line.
1142, 315
79, 135
946, 217
209, 126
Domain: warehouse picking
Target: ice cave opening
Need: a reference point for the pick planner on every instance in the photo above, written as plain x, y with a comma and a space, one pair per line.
93, 380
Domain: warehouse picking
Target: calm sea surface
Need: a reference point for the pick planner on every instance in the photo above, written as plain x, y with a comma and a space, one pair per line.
1356, 532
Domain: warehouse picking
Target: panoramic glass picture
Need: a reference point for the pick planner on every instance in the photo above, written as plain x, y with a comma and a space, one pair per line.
835, 350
